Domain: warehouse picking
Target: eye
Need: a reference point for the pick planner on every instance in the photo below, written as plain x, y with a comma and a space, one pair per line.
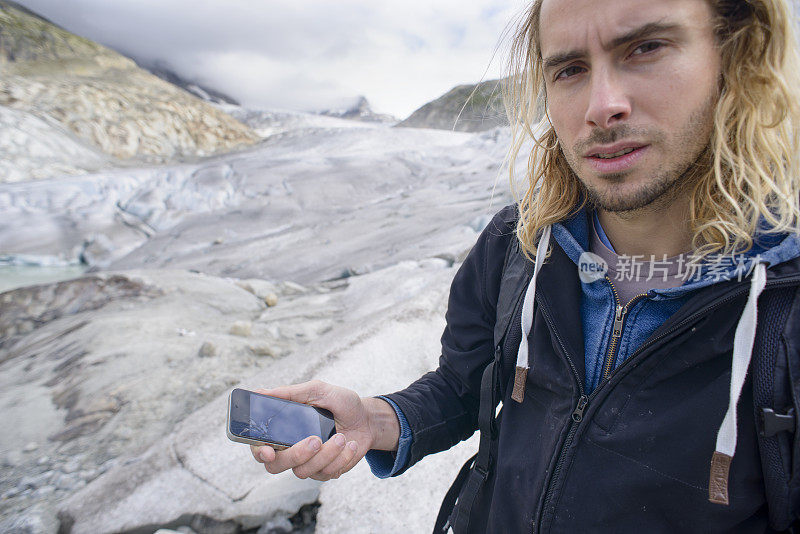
644, 48
568, 72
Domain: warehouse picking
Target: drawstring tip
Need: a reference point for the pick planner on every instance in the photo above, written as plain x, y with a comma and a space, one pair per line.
718, 479
520, 377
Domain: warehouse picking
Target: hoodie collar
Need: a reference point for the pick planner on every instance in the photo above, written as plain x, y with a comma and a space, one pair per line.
770, 249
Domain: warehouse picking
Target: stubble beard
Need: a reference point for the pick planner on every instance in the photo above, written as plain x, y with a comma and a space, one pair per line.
667, 184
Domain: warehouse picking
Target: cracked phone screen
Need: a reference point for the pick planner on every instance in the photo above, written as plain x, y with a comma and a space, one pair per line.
277, 421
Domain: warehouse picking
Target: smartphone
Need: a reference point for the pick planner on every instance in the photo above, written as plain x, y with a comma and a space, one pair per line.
258, 419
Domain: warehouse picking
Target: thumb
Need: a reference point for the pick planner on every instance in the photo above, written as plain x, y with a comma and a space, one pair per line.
312, 392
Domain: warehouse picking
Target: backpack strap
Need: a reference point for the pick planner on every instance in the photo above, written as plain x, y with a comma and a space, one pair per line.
775, 393
457, 507
449, 501
517, 272
481, 467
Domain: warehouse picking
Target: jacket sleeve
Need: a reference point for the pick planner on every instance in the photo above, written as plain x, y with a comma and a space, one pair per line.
441, 407
385, 464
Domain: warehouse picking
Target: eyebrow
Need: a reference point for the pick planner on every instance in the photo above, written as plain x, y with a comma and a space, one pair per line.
639, 33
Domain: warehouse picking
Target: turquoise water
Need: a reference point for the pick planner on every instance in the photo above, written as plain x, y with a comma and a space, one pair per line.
12, 276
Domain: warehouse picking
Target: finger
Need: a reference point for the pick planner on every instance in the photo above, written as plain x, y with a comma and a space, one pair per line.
297, 454
263, 453
339, 465
329, 452
357, 455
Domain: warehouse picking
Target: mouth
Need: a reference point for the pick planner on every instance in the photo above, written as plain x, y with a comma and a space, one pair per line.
614, 154
616, 150
616, 158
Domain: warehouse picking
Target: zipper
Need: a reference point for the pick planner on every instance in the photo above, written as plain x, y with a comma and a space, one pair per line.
577, 414
616, 331
575, 419
584, 400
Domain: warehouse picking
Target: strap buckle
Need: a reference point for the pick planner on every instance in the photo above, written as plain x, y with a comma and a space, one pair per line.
483, 473
770, 422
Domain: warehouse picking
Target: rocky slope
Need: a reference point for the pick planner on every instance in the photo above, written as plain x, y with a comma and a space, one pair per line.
129, 392
36, 147
166, 73
101, 98
465, 108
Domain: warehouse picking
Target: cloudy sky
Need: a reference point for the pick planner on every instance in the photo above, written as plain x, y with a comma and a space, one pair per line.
305, 54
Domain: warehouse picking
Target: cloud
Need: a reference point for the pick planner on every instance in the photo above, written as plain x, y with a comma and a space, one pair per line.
304, 53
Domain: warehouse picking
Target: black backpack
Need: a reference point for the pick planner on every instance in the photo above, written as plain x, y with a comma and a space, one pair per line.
776, 395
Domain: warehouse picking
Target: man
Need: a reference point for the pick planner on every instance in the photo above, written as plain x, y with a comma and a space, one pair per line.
670, 157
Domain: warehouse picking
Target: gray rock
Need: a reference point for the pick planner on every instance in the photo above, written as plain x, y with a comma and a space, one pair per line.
30, 447
207, 525
105, 466
27, 308
35, 481
293, 288
263, 289
274, 330
70, 466
97, 251
89, 474
28, 522
241, 328
45, 491
207, 350
12, 492
280, 525
13, 458
68, 482
263, 350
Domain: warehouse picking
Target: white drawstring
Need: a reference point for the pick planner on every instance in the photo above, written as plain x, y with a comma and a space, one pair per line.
742, 352
527, 319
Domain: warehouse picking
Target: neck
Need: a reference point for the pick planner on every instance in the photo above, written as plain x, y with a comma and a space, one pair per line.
649, 231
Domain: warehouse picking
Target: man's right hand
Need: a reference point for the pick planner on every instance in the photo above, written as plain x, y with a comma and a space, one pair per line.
361, 423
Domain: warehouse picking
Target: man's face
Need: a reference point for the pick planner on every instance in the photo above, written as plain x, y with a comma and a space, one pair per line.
631, 90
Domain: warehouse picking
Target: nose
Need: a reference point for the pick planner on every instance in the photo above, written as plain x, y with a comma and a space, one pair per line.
608, 103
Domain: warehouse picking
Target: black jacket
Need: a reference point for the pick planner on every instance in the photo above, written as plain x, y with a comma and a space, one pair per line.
638, 460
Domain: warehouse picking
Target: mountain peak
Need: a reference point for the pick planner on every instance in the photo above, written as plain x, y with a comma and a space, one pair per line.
357, 108
464, 108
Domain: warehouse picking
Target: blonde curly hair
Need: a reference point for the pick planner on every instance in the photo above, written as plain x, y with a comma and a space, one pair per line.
748, 171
